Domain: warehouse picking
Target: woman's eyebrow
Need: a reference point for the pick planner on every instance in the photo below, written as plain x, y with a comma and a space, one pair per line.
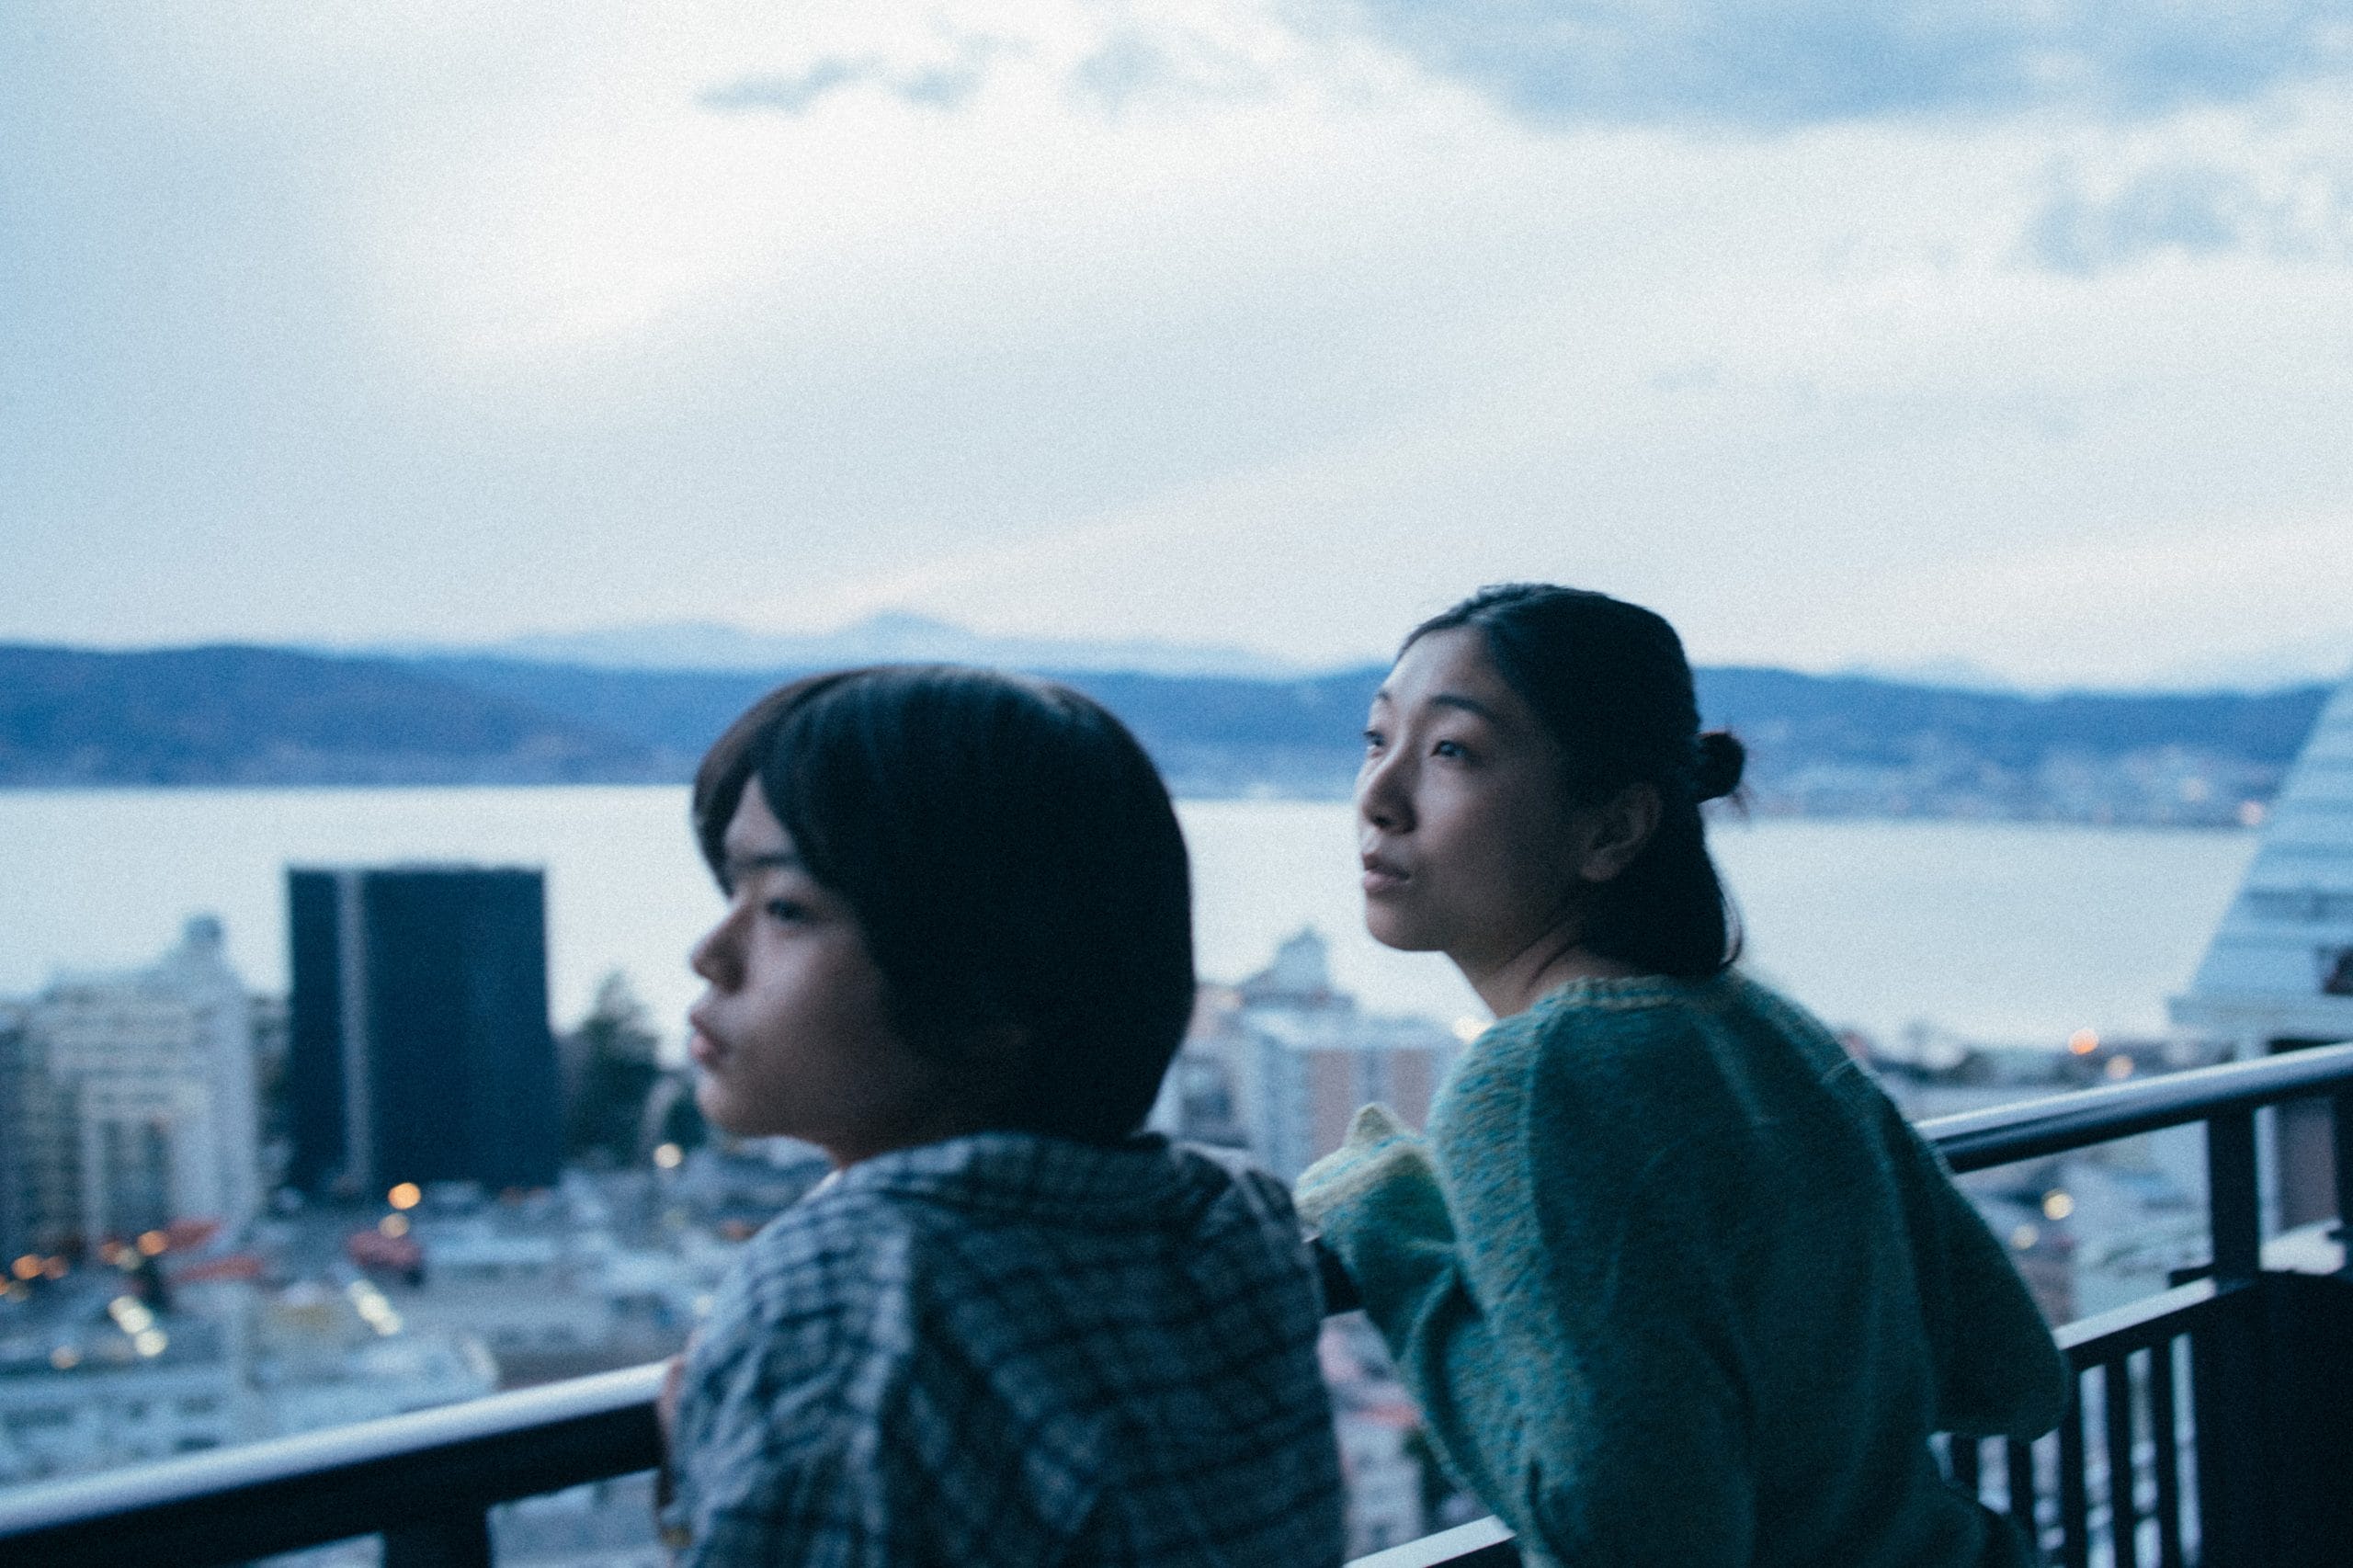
1468, 704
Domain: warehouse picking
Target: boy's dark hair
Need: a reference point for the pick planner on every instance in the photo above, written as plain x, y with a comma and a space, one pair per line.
1013, 857
1609, 682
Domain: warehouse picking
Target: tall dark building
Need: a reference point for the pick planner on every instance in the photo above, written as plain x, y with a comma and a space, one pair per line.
17, 1204
419, 1045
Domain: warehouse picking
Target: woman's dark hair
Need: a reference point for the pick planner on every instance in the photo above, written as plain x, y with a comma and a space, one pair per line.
1609, 680
1012, 859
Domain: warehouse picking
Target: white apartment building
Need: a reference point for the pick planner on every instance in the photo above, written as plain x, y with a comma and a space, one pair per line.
1301, 1057
139, 1095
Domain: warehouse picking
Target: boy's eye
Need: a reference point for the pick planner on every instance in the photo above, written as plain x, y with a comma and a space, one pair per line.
1450, 748
1374, 740
784, 909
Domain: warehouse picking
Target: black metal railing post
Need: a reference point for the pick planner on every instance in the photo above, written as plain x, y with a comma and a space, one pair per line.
2229, 1368
2233, 1197
460, 1539
2341, 1114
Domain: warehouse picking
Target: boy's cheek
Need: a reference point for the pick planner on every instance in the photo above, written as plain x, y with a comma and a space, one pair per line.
719, 1105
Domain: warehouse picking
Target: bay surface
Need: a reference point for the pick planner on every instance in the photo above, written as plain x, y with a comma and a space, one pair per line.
2004, 932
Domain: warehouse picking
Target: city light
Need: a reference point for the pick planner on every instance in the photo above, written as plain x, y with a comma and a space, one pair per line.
372, 1307
27, 1267
668, 1155
54, 1267
2122, 1067
65, 1357
393, 1225
150, 1342
2057, 1205
2024, 1237
405, 1194
131, 1315
2083, 1042
153, 1244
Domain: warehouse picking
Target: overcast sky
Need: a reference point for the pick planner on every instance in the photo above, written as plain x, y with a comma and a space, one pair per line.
1895, 333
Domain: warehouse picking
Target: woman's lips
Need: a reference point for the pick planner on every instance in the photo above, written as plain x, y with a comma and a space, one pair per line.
705, 1051
1380, 877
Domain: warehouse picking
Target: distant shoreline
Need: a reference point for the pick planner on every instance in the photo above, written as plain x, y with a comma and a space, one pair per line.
1820, 746
1721, 817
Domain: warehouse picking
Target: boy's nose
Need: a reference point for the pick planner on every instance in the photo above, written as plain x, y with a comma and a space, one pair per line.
711, 958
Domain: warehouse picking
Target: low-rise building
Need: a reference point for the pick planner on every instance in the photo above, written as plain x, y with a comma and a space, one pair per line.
1299, 1057
129, 1100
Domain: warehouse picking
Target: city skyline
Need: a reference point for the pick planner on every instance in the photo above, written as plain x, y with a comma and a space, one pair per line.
2017, 345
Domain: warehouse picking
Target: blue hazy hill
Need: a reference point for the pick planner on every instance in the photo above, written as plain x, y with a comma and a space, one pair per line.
1840, 744
239, 715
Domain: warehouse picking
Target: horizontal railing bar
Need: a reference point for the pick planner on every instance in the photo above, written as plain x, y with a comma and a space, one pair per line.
2102, 1337
276, 1495
1482, 1543
285, 1493
2004, 1134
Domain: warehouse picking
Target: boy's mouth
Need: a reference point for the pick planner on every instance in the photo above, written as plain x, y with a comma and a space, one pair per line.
703, 1047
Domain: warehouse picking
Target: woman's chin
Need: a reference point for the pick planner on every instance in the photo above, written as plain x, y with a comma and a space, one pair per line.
1390, 928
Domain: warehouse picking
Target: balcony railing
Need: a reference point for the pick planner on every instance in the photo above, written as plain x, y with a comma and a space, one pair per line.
2211, 1424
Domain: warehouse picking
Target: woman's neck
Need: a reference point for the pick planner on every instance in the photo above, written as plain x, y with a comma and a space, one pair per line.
1514, 982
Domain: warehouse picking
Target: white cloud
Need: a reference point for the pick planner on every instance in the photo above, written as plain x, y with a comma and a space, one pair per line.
1172, 319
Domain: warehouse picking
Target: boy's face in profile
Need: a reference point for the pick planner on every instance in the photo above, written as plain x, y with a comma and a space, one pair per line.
793, 1035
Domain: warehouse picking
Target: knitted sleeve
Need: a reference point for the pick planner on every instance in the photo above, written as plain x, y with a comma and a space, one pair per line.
1556, 1312
1999, 1373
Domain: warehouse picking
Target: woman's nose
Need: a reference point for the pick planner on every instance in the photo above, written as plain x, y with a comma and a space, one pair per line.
1380, 795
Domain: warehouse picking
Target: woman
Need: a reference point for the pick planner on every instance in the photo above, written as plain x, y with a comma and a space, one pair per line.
1673, 1282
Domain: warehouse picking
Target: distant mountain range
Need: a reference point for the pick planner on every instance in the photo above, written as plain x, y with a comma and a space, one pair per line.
266, 716
892, 637
1819, 745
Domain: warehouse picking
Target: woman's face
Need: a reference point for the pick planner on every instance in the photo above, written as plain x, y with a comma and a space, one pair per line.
793, 1033
1471, 846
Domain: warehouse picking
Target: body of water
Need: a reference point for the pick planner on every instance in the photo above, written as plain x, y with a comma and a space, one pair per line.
2004, 932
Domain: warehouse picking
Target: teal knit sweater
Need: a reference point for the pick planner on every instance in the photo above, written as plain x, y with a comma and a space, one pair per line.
1676, 1284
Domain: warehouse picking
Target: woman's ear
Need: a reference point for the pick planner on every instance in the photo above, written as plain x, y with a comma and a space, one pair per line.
1617, 831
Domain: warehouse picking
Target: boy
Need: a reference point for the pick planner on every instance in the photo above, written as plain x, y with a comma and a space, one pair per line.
957, 956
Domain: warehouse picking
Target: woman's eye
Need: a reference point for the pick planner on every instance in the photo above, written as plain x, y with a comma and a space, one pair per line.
1450, 748
1374, 740
784, 909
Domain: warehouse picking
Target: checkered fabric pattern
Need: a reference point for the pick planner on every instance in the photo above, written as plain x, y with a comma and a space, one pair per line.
1013, 1349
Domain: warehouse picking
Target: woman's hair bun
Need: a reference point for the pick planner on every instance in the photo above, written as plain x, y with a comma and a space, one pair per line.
1722, 757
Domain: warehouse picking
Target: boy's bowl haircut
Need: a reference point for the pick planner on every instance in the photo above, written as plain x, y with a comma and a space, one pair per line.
1012, 859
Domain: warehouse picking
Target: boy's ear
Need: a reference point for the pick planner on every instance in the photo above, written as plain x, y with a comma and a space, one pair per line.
994, 1050
996, 1071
